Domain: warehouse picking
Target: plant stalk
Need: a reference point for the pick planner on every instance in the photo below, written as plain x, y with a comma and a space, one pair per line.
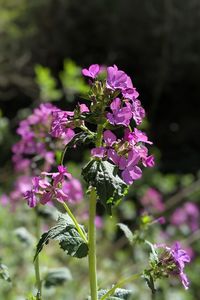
92, 245
80, 231
37, 262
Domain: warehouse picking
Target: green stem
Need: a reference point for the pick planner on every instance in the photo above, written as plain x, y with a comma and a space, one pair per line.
80, 231
92, 245
63, 155
37, 262
99, 135
120, 284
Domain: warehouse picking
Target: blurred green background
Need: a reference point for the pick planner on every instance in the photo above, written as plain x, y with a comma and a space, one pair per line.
43, 45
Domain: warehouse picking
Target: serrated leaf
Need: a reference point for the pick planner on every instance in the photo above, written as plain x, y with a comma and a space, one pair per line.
104, 177
57, 277
80, 138
119, 294
127, 232
69, 238
4, 274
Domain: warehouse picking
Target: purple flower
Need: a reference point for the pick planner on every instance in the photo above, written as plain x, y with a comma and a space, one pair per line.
4, 199
83, 108
137, 111
31, 198
130, 92
188, 214
35, 143
73, 189
153, 200
59, 126
173, 260
109, 139
98, 222
99, 152
92, 72
129, 166
120, 115
116, 79
59, 186
138, 136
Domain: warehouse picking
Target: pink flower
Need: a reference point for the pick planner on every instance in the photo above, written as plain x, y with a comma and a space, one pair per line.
153, 200
109, 139
92, 72
129, 166
188, 214
138, 136
176, 258
61, 126
137, 111
59, 186
130, 92
120, 115
116, 79
4, 199
83, 108
73, 189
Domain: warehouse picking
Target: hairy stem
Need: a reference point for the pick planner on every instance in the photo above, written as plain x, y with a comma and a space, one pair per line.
120, 284
99, 136
92, 245
37, 262
80, 231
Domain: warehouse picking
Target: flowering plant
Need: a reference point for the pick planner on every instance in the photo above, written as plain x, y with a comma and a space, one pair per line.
119, 152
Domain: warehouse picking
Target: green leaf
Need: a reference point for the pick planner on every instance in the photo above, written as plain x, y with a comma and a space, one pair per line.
69, 238
4, 274
57, 277
104, 177
127, 232
47, 84
80, 138
120, 294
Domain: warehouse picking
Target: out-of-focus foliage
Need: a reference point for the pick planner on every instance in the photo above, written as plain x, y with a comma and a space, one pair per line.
47, 84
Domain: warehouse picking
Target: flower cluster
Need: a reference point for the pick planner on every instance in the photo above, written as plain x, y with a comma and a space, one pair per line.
172, 262
64, 122
60, 186
188, 214
114, 102
36, 142
118, 100
152, 200
21, 185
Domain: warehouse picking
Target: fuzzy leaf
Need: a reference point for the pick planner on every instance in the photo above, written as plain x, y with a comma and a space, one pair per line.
104, 177
57, 277
69, 239
119, 294
4, 274
127, 232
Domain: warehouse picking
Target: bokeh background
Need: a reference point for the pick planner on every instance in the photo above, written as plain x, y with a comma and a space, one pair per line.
43, 44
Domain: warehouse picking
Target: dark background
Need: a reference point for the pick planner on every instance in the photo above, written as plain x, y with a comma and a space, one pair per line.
157, 42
